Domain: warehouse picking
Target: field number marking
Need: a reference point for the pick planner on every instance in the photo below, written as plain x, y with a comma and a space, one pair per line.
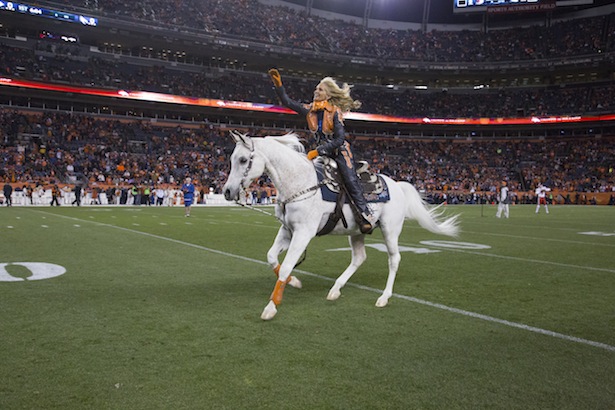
38, 270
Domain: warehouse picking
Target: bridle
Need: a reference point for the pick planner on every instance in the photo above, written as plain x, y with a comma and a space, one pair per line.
293, 198
249, 167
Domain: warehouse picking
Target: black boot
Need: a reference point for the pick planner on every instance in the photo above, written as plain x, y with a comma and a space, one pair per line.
367, 224
355, 191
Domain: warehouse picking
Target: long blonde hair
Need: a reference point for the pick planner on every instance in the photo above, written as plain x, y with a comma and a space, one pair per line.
339, 96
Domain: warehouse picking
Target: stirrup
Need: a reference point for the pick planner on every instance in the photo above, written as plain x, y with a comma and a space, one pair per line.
367, 223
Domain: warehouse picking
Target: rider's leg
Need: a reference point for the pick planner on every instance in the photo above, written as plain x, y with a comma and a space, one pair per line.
353, 186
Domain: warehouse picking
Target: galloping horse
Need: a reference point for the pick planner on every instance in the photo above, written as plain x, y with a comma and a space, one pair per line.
303, 212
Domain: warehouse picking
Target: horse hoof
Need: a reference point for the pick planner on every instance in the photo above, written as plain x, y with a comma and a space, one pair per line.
334, 294
294, 282
269, 311
382, 302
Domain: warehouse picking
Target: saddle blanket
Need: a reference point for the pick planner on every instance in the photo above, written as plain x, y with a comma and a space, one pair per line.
373, 191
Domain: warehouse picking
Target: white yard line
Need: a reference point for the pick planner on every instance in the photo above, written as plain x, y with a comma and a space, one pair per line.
370, 289
488, 222
535, 238
516, 258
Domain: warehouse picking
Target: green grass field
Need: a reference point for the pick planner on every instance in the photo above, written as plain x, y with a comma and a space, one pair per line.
158, 311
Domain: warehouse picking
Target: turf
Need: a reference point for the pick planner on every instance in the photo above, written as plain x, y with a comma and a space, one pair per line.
158, 311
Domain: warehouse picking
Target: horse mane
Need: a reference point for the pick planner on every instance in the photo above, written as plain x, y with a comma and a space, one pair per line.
290, 140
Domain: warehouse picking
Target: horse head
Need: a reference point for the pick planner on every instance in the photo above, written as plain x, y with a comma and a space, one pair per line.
246, 165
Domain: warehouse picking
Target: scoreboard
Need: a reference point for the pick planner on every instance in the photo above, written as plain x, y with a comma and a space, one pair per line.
48, 13
499, 6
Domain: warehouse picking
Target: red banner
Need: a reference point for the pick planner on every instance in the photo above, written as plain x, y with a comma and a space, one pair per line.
244, 105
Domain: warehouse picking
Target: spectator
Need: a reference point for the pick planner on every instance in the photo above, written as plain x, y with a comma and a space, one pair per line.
8, 194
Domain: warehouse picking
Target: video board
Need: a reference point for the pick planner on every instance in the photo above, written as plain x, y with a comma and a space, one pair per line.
52, 14
500, 6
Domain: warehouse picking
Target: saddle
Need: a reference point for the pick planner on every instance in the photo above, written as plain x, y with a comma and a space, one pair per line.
372, 185
332, 189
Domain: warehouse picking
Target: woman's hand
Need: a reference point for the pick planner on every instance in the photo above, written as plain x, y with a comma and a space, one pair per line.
312, 154
275, 77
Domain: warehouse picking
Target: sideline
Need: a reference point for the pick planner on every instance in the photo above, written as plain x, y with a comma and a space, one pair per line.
366, 288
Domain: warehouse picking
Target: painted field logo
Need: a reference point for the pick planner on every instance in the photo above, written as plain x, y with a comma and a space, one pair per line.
38, 271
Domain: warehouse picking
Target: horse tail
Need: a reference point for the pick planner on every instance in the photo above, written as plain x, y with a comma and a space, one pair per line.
429, 218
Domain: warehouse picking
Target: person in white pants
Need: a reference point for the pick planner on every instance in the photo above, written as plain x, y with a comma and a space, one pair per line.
503, 201
541, 193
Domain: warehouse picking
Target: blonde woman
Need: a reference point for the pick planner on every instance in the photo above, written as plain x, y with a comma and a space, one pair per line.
325, 119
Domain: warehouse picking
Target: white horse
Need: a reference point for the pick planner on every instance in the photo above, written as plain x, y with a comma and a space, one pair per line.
303, 212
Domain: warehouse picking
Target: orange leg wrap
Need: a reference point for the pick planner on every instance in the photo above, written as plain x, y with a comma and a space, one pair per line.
278, 291
276, 270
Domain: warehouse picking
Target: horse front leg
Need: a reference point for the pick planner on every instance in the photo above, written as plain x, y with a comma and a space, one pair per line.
359, 255
280, 244
298, 243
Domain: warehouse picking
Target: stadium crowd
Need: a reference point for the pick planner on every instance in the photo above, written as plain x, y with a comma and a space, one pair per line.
57, 65
61, 62
48, 148
280, 25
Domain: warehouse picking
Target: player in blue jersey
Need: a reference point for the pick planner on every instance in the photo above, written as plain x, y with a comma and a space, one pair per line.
188, 191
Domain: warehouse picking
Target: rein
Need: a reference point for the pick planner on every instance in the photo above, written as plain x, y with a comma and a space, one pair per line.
257, 210
319, 185
296, 195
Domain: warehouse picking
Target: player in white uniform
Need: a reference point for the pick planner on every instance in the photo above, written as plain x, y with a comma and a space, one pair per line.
541, 193
503, 200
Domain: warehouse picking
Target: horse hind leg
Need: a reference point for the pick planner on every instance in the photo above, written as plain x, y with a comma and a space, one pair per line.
392, 244
280, 244
359, 255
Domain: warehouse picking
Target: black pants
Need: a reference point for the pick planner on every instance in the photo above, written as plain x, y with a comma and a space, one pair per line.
345, 163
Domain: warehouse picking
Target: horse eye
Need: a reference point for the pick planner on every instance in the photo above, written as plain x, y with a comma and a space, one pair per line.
243, 160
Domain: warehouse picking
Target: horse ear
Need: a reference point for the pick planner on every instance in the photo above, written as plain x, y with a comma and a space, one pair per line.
238, 137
